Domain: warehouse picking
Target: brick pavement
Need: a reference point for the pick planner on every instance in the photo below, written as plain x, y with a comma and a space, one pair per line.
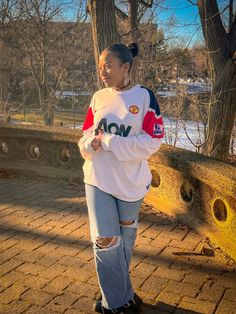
46, 258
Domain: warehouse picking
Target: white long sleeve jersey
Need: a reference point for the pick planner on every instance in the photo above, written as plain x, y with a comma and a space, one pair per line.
133, 130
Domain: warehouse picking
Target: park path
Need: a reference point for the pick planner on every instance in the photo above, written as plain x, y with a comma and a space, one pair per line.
46, 258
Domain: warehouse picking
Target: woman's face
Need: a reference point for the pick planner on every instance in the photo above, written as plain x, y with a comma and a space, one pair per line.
111, 70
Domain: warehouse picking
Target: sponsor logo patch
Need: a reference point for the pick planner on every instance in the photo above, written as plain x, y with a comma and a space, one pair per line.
133, 109
158, 129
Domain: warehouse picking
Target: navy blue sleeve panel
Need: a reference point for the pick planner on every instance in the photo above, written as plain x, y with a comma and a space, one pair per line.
153, 102
152, 121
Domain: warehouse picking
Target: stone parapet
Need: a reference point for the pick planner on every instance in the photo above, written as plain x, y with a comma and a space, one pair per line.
197, 190
46, 151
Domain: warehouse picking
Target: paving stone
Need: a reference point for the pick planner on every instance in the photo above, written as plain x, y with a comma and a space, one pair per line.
211, 292
6, 233
37, 297
10, 278
15, 307
144, 226
93, 280
230, 295
78, 274
39, 310
4, 245
31, 268
85, 305
174, 234
137, 258
154, 285
12, 293
143, 270
46, 248
67, 250
84, 289
225, 280
47, 263
9, 253
29, 257
53, 271
226, 307
195, 305
62, 302
186, 245
161, 241
10, 265
173, 274
196, 276
86, 255
143, 241
32, 281
185, 289
57, 285
152, 232
74, 311
79, 233
169, 298
136, 281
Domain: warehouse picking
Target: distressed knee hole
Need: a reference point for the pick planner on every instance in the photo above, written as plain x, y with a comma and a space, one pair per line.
125, 223
106, 242
129, 224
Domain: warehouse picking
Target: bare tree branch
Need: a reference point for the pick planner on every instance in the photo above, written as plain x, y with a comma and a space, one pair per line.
120, 14
190, 1
146, 4
231, 15
214, 31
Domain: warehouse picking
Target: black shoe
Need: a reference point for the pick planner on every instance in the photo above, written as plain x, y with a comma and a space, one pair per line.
97, 305
132, 305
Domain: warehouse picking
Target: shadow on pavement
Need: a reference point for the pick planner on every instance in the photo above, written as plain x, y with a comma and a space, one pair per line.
163, 308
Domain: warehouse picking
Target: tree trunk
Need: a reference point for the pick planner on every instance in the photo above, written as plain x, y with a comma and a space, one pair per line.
221, 47
135, 34
222, 113
104, 27
47, 109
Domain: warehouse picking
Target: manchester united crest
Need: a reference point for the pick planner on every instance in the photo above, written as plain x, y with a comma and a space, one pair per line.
133, 109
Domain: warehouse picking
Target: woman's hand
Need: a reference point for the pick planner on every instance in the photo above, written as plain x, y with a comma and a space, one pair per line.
96, 142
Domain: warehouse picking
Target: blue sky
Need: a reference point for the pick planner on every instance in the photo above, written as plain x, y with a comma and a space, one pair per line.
185, 25
185, 21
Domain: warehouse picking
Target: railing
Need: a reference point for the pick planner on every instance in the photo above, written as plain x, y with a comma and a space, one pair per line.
46, 151
196, 189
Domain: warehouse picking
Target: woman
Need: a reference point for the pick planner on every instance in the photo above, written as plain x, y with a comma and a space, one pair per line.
123, 127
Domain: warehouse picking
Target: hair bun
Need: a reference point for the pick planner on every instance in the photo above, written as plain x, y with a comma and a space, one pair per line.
133, 49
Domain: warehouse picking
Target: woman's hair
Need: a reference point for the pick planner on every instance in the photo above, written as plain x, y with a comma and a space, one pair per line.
124, 53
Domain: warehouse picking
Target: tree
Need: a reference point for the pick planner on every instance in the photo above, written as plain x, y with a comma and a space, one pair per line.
35, 39
221, 48
104, 29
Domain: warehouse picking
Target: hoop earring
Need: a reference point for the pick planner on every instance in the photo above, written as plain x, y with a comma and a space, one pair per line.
126, 80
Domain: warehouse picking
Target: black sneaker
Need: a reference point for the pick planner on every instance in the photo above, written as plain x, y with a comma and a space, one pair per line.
97, 305
133, 306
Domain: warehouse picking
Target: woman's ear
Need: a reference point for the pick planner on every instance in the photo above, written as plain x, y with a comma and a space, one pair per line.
127, 66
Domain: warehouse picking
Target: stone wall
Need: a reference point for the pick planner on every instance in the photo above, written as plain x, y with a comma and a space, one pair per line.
196, 189
199, 191
45, 151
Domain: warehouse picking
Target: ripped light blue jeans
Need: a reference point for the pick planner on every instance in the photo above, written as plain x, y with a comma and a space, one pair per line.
106, 214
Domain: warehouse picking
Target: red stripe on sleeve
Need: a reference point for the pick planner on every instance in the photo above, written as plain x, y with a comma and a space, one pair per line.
152, 125
88, 120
